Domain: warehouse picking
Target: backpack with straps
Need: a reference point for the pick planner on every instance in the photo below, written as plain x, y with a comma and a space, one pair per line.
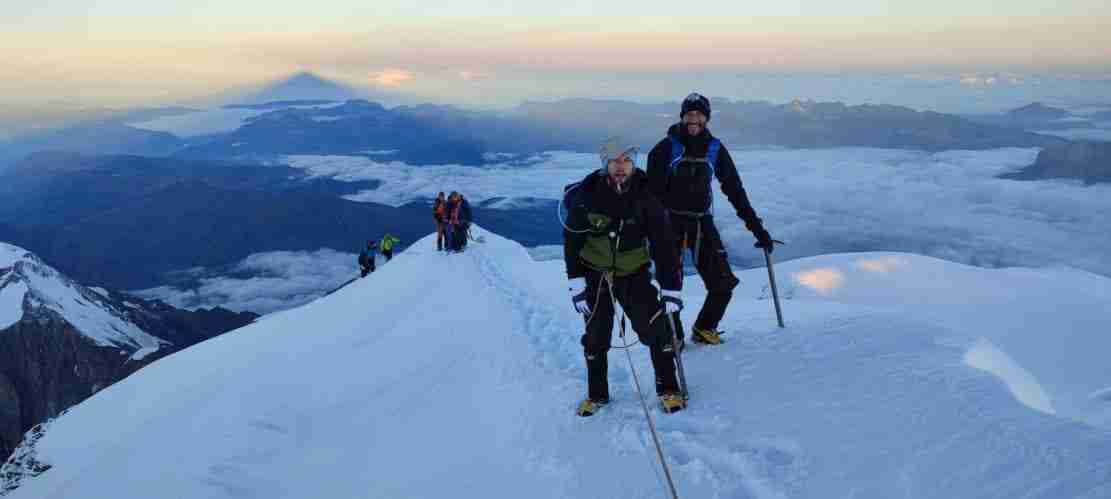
678, 151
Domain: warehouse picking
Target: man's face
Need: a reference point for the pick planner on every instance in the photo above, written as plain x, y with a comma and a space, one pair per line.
694, 122
620, 169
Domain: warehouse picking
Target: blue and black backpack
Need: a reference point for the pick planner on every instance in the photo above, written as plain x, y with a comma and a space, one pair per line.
678, 151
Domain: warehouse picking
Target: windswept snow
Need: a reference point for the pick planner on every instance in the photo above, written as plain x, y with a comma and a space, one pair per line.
456, 376
1050, 323
987, 357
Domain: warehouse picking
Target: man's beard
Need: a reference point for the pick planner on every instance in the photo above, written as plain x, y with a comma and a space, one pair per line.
620, 187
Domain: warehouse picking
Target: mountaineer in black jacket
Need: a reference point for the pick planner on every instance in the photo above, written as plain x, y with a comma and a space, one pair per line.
612, 219
681, 169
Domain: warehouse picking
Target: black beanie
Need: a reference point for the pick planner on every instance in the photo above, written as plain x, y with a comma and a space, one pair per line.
696, 102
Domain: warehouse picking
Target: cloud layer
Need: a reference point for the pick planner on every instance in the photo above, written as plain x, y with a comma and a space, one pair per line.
948, 205
261, 283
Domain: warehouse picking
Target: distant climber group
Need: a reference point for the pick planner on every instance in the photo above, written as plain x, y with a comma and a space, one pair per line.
621, 219
369, 254
453, 222
453, 218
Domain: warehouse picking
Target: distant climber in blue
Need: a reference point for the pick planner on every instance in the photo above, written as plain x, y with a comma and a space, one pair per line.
367, 256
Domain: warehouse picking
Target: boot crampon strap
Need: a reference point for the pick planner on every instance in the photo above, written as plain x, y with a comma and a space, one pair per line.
588, 407
706, 336
672, 402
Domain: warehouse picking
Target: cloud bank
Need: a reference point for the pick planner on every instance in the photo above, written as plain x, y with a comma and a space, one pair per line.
948, 205
262, 282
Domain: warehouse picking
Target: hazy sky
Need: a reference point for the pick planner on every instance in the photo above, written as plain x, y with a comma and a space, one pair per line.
124, 52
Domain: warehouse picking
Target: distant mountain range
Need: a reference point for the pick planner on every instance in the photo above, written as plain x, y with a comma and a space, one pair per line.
436, 134
444, 134
1038, 116
62, 341
125, 221
799, 124
96, 137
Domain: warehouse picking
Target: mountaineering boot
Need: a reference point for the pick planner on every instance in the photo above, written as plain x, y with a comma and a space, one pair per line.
588, 407
705, 336
672, 402
597, 369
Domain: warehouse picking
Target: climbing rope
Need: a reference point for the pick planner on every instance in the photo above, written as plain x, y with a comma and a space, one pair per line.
608, 277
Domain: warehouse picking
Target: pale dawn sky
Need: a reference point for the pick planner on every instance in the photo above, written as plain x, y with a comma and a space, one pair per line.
124, 52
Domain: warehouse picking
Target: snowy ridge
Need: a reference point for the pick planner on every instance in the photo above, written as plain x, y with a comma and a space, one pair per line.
456, 376
27, 283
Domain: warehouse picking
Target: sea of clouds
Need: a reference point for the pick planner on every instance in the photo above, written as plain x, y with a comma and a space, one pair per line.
949, 205
262, 282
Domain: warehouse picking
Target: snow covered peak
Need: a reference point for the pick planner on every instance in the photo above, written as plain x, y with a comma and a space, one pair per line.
28, 286
9, 255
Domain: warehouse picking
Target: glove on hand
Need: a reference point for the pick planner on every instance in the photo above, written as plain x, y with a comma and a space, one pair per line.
764, 240
577, 287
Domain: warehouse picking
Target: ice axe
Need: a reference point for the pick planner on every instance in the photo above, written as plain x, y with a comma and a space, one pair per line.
771, 278
678, 350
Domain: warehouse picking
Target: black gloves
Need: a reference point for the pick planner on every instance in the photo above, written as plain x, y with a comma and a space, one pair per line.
764, 240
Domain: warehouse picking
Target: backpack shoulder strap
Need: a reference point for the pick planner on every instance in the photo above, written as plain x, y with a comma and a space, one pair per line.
677, 151
712, 154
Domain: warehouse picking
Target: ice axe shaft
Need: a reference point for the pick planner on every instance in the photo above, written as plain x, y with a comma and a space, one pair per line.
775, 290
678, 349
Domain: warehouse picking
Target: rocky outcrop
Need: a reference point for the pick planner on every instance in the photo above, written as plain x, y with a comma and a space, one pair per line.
61, 342
50, 366
1086, 161
46, 365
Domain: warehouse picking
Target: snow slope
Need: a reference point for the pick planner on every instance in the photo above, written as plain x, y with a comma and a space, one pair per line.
27, 281
1045, 328
456, 376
